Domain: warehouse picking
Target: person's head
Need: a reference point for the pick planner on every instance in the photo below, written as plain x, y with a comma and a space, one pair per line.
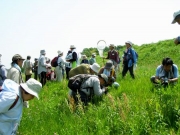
109, 65
43, 52
30, 89
72, 47
111, 46
103, 79
94, 68
28, 57
35, 59
128, 44
17, 59
60, 53
93, 55
84, 57
167, 64
176, 17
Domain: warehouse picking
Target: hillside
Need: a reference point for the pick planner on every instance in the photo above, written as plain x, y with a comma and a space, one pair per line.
136, 107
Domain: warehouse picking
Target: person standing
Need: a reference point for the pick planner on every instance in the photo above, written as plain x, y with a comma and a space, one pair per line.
11, 103
84, 60
28, 68
113, 55
176, 19
14, 72
60, 67
74, 57
92, 60
42, 67
129, 60
35, 67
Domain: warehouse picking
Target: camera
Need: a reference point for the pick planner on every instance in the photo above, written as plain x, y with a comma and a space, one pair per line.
164, 81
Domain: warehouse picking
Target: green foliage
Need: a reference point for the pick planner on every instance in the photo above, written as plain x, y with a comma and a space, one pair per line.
136, 107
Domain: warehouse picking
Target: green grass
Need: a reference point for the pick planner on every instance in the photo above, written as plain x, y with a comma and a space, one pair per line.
135, 108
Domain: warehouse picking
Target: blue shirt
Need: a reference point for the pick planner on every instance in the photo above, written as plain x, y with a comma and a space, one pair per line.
173, 73
130, 51
9, 118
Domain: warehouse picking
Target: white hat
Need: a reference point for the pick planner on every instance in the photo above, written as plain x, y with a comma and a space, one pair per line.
42, 52
95, 67
129, 42
174, 16
32, 87
59, 52
72, 47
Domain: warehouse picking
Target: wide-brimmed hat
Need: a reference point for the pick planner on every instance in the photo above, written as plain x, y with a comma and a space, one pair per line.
59, 52
17, 57
175, 15
109, 64
32, 87
95, 67
72, 47
42, 52
129, 42
104, 77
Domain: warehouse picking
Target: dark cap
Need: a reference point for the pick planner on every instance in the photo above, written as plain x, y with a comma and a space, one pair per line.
17, 57
109, 64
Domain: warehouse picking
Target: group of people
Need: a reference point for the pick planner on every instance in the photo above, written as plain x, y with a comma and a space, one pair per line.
14, 92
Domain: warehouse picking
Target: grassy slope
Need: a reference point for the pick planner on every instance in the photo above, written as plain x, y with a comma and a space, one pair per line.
134, 108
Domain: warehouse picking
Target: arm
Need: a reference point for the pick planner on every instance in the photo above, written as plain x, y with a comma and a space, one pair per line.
96, 87
43, 61
176, 74
134, 56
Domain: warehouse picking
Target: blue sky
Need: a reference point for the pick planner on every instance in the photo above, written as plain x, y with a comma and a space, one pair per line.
28, 26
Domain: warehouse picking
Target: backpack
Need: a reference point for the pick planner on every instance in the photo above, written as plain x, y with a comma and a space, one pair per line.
54, 61
75, 82
130, 56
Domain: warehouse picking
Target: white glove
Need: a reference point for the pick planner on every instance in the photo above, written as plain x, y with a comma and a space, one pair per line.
135, 66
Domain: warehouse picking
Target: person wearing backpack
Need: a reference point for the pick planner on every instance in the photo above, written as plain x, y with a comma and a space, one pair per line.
84, 60
12, 97
28, 68
129, 60
166, 73
176, 19
74, 57
60, 67
85, 69
42, 67
90, 86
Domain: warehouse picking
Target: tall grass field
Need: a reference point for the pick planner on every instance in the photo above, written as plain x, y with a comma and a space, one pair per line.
135, 108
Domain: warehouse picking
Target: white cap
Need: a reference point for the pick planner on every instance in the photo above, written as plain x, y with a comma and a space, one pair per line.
59, 52
95, 67
43, 52
174, 16
72, 47
129, 42
32, 87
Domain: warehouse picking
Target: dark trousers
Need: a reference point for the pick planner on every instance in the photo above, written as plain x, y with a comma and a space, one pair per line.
43, 78
125, 70
27, 77
35, 75
67, 72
